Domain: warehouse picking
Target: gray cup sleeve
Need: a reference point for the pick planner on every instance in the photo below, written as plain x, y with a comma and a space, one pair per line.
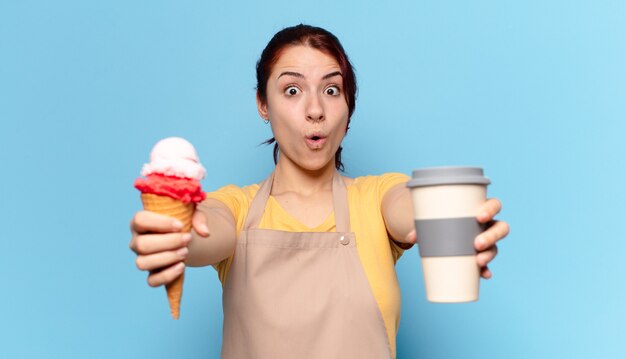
447, 236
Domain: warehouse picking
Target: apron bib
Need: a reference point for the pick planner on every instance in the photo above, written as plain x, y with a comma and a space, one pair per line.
300, 294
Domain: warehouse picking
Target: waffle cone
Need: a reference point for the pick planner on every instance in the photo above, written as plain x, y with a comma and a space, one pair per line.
183, 212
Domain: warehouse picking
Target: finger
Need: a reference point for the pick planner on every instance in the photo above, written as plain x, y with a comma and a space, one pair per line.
483, 258
147, 221
162, 259
154, 243
488, 210
486, 273
411, 237
490, 236
166, 275
199, 223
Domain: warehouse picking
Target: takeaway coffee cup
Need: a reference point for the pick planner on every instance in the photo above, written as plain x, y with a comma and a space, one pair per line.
446, 201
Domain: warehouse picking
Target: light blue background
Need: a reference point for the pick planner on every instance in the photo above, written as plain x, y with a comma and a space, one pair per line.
534, 91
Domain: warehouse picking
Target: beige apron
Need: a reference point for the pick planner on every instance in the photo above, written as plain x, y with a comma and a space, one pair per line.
300, 294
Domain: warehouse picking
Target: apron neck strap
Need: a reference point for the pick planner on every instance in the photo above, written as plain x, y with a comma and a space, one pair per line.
340, 204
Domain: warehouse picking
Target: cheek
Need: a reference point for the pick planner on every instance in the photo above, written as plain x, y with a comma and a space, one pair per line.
344, 119
282, 109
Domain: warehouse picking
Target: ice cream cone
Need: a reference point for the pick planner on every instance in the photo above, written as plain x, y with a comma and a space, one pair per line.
183, 212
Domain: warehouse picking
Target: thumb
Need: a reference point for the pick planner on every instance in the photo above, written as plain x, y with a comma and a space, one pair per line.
199, 223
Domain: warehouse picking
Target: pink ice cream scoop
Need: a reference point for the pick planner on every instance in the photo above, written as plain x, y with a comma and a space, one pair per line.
174, 156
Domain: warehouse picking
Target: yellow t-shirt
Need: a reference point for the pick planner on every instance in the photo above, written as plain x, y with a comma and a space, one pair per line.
378, 253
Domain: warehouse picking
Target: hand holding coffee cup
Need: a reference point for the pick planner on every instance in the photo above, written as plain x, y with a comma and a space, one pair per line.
446, 202
496, 230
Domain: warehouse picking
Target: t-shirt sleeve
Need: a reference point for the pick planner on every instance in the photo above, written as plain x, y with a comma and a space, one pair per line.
385, 183
237, 199
389, 180
231, 196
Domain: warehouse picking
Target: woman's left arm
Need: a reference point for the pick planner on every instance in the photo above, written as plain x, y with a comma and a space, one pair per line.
397, 209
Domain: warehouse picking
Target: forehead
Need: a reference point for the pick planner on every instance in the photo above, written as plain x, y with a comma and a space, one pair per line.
304, 58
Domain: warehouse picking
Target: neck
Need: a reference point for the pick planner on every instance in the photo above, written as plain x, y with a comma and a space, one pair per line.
288, 177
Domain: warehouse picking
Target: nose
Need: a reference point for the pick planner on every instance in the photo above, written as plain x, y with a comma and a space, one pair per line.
314, 109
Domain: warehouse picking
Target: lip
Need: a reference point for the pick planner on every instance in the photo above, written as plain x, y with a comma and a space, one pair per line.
315, 141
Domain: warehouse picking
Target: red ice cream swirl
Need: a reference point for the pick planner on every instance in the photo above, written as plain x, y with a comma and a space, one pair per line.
183, 189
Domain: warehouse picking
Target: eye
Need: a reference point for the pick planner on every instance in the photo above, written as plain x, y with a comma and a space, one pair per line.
292, 91
332, 91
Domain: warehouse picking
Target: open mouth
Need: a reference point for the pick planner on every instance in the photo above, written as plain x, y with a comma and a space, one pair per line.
315, 141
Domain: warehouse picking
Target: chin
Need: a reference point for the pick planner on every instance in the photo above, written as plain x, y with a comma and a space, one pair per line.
314, 166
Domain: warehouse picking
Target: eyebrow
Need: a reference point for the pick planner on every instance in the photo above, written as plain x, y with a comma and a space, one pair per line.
332, 74
291, 73
299, 75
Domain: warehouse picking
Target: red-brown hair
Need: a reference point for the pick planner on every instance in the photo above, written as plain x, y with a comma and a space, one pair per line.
317, 38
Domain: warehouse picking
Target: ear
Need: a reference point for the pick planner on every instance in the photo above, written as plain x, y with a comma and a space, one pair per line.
262, 108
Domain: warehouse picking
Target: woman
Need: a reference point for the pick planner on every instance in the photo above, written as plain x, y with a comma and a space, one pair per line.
307, 257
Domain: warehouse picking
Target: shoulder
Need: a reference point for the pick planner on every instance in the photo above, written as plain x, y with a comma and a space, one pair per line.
374, 187
235, 190
236, 198
379, 183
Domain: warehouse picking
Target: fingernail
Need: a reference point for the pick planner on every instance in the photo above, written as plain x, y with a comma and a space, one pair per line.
204, 228
180, 267
177, 224
186, 238
484, 215
183, 252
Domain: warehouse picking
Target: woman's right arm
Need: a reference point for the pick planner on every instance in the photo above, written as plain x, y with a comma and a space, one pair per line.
163, 250
214, 235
